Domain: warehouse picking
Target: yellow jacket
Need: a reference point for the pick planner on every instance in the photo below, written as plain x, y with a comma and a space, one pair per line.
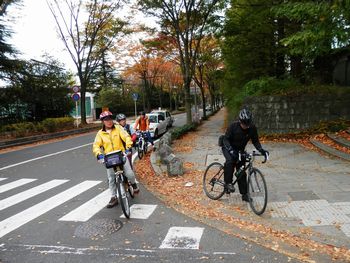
110, 142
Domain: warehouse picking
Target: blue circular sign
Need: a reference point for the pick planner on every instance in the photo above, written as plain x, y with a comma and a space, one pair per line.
135, 96
75, 96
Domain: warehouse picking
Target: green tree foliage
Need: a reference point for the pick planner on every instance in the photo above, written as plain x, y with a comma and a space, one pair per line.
323, 28
185, 21
7, 64
248, 47
116, 101
282, 43
38, 90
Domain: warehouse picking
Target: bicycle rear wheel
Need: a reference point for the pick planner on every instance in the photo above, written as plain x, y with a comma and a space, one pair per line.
139, 149
123, 198
213, 181
257, 191
131, 190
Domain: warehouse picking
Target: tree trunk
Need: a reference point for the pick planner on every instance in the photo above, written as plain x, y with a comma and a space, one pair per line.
296, 68
323, 69
82, 100
280, 66
188, 104
203, 104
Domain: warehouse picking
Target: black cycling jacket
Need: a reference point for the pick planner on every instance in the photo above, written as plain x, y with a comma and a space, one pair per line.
237, 138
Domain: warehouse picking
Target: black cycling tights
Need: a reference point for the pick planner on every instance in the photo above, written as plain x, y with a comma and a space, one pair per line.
229, 167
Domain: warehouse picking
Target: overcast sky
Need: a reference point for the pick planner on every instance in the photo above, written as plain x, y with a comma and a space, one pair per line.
35, 32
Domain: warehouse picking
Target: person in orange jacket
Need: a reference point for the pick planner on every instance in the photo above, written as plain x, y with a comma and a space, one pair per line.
142, 124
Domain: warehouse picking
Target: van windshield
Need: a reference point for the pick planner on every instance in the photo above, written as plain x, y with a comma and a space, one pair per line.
152, 118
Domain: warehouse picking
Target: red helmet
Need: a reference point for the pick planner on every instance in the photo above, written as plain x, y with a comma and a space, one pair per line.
105, 114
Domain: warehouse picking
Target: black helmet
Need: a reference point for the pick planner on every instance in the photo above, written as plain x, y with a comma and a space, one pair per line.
245, 116
120, 117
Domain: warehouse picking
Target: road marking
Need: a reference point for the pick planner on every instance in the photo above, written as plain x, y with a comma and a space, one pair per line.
98, 251
88, 209
183, 238
17, 198
139, 211
17, 183
44, 156
15, 221
1, 179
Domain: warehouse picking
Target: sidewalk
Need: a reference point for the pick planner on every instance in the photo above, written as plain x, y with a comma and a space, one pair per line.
308, 212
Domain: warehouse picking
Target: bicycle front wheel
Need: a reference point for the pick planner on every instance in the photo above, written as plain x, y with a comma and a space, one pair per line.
257, 191
213, 181
123, 198
145, 147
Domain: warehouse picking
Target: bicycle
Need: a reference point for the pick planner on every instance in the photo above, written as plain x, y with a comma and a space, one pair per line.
116, 161
141, 144
214, 184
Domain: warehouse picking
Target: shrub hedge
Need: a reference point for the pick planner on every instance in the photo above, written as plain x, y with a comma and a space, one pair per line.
29, 128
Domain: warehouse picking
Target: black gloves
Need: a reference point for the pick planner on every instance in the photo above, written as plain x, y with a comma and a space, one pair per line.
265, 153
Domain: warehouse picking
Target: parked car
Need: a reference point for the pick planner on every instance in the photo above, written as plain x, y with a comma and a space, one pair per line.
208, 108
157, 124
167, 116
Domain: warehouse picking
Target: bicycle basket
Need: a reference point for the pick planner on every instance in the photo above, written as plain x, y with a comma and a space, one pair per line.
114, 159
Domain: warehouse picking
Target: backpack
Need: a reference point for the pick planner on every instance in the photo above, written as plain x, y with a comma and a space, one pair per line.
127, 128
221, 140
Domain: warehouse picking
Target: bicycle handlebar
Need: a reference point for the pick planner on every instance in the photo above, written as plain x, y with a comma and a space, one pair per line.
246, 154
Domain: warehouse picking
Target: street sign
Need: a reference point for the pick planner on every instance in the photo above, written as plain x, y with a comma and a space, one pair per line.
75, 96
135, 96
76, 89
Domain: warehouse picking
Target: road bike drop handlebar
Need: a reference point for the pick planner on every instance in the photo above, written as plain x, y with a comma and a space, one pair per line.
249, 156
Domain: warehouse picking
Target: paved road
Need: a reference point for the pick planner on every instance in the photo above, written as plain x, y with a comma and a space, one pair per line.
52, 200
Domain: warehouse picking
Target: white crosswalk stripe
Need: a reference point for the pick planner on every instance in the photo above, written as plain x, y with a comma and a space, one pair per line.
176, 238
1, 179
17, 183
140, 211
17, 220
17, 198
88, 209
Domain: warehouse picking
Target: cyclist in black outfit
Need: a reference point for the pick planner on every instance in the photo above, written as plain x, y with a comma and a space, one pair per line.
235, 140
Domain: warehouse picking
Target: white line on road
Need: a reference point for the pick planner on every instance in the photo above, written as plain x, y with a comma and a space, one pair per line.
1, 179
183, 238
140, 211
17, 198
17, 220
44, 156
84, 212
17, 183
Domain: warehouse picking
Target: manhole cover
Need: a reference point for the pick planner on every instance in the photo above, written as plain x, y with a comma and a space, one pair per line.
97, 228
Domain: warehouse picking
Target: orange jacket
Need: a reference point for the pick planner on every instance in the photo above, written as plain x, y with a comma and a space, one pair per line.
142, 124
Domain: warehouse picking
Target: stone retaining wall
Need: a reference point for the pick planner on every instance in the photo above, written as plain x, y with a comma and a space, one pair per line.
283, 114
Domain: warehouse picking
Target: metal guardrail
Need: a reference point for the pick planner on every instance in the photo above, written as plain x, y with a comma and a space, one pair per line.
42, 137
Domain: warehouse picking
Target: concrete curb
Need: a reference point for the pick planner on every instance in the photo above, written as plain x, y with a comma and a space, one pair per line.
42, 137
330, 150
339, 140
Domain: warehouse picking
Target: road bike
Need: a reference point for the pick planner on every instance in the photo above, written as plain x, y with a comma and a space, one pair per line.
214, 184
116, 160
141, 144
